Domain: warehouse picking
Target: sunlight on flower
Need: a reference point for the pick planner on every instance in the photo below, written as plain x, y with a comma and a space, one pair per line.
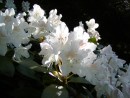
21, 52
53, 19
36, 14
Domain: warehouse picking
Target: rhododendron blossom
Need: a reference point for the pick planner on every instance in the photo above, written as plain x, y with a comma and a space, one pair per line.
63, 53
36, 14
91, 29
12, 30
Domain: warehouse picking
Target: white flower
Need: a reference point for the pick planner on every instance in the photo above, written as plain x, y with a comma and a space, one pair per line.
108, 90
125, 78
12, 30
6, 21
3, 41
112, 58
71, 56
91, 24
53, 44
126, 90
39, 28
84, 69
117, 94
21, 52
96, 73
103, 87
43, 26
108, 52
18, 35
47, 51
80, 34
61, 33
91, 28
107, 64
70, 49
36, 14
58, 47
53, 20
7, 17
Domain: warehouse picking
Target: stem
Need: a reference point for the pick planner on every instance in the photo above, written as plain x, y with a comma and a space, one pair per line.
59, 75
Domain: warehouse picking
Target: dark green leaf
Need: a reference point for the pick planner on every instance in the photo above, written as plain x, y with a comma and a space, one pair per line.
26, 71
6, 66
33, 65
9, 53
88, 92
78, 80
55, 91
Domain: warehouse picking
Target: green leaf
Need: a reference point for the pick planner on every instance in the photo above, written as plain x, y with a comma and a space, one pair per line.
26, 71
78, 80
9, 53
33, 65
88, 92
55, 91
6, 66
93, 40
28, 67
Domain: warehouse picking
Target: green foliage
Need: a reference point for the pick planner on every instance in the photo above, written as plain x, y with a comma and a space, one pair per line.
6, 66
33, 65
26, 71
30, 68
93, 40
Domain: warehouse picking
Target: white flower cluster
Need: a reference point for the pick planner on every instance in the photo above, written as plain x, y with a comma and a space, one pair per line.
12, 33
70, 50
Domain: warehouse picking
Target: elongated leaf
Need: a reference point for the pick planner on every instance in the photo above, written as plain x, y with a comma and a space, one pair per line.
33, 65
6, 66
26, 71
55, 91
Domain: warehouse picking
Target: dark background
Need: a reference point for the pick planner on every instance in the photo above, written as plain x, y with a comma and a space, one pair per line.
113, 17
